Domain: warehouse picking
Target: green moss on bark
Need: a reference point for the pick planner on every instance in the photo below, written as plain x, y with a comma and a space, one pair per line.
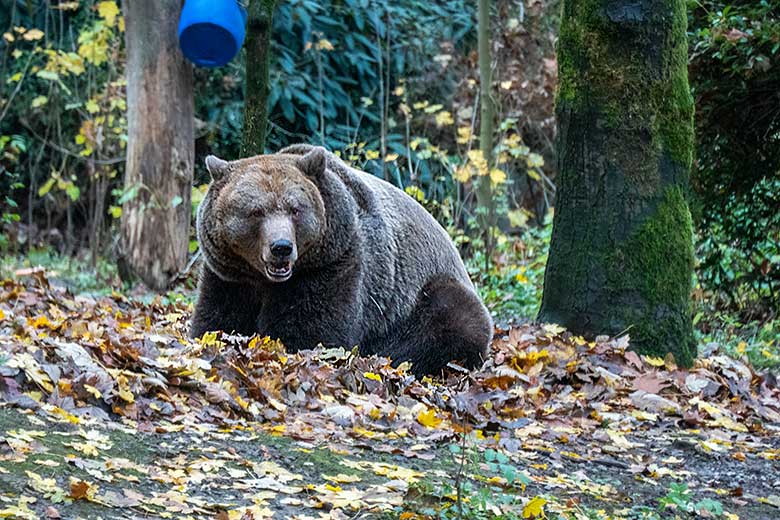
672, 96
654, 266
599, 66
621, 255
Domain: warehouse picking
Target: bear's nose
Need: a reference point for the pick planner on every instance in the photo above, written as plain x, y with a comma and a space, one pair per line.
281, 248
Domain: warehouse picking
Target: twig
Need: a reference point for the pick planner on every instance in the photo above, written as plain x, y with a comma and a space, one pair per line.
60, 149
17, 89
182, 275
459, 474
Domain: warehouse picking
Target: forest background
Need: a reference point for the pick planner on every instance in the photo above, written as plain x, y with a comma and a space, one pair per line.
395, 94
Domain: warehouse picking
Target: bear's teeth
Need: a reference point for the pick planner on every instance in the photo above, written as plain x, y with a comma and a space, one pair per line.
276, 271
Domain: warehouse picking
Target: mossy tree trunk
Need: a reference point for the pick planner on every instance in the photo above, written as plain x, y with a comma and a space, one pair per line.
258, 59
621, 258
160, 147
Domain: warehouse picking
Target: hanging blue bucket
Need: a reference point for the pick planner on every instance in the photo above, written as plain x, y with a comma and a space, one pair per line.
211, 32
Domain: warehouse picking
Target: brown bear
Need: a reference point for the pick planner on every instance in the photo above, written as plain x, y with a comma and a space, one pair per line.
301, 247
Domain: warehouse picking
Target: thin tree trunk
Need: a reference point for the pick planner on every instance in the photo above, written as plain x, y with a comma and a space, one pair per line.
621, 257
161, 146
258, 58
486, 126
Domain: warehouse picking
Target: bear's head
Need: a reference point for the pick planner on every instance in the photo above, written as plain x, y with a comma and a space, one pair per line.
261, 215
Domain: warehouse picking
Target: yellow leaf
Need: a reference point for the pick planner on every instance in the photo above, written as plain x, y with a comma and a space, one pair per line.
416, 193
324, 45
16, 77
497, 176
41, 322
331, 487
92, 107
66, 6
553, 328
444, 118
371, 375
341, 478
127, 395
654, 361
108, 11
9, 37
535, 160
391, 157
428, 418
94, 391
464, 134
506, 85
39, 101
33, 34
534, 508
463, 174
2, 314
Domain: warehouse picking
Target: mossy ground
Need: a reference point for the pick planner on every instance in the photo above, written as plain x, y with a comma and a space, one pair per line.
556, 472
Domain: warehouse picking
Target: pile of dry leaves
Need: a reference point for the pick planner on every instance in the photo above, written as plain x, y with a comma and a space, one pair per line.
76, 355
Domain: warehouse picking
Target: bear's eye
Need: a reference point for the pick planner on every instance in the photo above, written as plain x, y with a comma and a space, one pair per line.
256, 212
295, 211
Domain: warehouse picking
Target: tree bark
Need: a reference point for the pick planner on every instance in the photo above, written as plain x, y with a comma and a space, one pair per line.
258, 58
161, 145
621, 257
486, 124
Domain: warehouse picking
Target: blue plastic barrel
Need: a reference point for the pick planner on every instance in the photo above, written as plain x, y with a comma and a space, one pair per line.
211, 32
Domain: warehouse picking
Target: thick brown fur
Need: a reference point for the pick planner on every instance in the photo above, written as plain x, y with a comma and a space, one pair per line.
370, 266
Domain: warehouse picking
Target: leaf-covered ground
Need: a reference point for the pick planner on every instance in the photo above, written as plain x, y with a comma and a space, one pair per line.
108, 411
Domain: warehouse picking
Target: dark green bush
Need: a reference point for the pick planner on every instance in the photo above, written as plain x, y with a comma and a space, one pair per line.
735, 74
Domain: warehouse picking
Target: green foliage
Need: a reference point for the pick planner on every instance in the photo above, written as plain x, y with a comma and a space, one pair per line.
326, 85
735, 74
328, 55
758, 341
680, 499
11, 146
511, 286
63, 124
488, 485
73, 272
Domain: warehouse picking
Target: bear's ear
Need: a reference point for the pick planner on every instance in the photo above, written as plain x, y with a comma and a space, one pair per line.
313, 163
217, 167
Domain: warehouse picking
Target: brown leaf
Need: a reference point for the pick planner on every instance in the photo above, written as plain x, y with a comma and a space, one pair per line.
651, 383
79, 489
735, 35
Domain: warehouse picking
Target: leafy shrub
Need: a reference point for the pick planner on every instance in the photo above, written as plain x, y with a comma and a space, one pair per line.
735, 75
